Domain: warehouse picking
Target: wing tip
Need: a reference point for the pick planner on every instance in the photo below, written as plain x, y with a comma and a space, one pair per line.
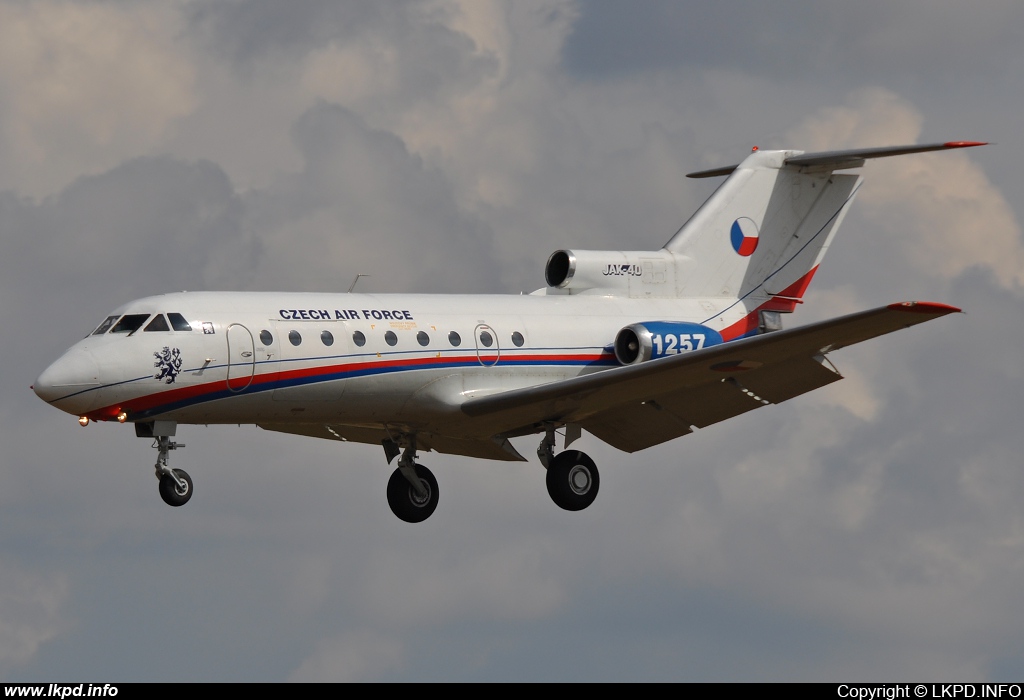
925, 307
964, 144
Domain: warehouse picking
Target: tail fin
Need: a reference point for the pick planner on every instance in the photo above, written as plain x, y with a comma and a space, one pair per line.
762, 234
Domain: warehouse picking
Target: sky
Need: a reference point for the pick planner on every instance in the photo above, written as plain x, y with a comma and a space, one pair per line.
868, 531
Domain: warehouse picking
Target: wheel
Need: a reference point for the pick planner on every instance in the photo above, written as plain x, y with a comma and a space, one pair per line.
573, 480
172, 493
403, 499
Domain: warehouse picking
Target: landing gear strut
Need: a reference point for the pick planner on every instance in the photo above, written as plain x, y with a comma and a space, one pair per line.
572, 479
412, 489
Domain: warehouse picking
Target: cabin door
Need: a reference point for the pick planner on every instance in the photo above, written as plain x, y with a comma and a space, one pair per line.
487, 350
241, 358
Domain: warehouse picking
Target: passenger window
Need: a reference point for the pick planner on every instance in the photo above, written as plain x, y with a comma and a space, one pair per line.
485, 339
327, 338
159, 323
294, 338
178, 322
130, 323
359, 339
455, 339
422, 338
105, 326
390, 338
517, 339
266, 337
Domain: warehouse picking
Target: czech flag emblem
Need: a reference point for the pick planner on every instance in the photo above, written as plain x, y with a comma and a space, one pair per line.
744, 236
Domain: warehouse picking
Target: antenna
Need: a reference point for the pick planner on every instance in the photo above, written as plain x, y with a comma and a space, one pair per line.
355, 282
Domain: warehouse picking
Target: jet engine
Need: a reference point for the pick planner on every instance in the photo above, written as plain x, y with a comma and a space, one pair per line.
632, 273
640, 342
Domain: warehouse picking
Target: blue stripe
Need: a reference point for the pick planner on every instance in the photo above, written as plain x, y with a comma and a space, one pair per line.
363, 371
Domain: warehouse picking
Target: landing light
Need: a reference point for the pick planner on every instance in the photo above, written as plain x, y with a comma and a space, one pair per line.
122, 417
83, 420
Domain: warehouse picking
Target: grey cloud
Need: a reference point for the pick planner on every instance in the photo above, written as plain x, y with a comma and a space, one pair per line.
870, 41
145, 227
802, 541
362, 203
432, 59
253, 28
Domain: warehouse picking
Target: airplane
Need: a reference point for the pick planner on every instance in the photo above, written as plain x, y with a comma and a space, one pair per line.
635, 347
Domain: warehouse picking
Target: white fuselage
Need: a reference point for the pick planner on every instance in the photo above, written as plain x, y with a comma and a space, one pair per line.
354, 359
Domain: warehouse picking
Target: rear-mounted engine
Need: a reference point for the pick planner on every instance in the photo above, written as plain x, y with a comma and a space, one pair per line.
633, 273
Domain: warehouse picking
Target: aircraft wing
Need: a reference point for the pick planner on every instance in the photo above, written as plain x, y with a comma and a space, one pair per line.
639, 406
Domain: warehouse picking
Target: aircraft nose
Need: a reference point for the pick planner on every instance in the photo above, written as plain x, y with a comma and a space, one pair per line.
75, 370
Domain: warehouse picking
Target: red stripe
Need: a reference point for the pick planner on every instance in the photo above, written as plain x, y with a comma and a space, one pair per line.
751, 320
743, 326
149, 401
794, 291
924, 307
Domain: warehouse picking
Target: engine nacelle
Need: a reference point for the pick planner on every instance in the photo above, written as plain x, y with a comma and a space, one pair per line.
639, 342
633, 273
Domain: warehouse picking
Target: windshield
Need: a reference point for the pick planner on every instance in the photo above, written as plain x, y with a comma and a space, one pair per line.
178, 322
105, 326
130, 323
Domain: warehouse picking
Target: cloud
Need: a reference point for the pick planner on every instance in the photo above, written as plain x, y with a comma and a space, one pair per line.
85, 85
870, 42
865, 529
357, 656
367, 205
31, 612
511, 584
945, 213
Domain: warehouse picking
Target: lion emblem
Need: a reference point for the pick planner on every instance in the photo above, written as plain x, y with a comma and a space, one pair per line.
168, 361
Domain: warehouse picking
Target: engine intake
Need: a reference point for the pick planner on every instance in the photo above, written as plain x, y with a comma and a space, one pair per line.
650, 340
630, 273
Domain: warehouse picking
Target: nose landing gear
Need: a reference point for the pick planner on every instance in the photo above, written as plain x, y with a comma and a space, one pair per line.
176, 487
175, 484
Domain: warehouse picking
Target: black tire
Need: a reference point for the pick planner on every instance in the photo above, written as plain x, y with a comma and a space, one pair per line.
172, 494
403, 499
573, 480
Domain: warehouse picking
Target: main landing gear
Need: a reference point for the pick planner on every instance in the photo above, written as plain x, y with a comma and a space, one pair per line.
412, 489
573, 479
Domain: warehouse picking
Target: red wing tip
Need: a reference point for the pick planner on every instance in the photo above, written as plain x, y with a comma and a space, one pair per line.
925, 307
964, 144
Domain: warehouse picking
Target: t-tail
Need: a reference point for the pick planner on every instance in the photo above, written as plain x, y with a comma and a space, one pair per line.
756, 242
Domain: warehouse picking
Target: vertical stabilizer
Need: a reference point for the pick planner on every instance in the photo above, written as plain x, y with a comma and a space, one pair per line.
764, 231
762, 234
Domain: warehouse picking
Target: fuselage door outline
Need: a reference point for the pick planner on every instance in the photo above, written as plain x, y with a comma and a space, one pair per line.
241, 358
487, 355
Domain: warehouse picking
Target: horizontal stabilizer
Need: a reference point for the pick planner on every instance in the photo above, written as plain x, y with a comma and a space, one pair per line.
838, 160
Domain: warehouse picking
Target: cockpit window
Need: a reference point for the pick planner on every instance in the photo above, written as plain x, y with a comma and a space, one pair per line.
105, 326
129, 323
159, 323
178, 322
